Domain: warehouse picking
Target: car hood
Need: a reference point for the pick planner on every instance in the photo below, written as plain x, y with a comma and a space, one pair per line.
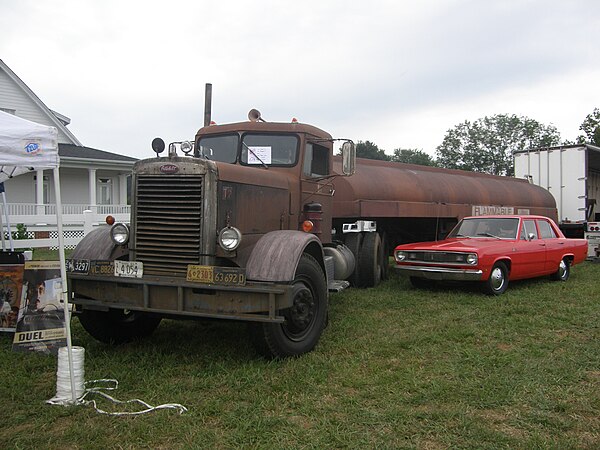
457, 245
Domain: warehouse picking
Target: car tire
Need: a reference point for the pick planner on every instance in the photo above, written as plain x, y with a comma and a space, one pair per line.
563, 272
497, 282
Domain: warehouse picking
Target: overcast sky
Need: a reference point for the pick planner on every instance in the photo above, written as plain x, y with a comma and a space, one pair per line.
397, 73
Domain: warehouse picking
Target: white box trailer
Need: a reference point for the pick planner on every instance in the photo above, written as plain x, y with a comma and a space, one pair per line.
571, 173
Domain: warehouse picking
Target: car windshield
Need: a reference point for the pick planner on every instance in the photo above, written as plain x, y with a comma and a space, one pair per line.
262, 150
495, 227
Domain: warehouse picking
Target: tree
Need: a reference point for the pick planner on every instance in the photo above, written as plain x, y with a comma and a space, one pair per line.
370, 151
413, 156
487, 144
591, 128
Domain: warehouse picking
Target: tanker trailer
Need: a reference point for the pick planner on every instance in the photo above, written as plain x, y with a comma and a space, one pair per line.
386, 203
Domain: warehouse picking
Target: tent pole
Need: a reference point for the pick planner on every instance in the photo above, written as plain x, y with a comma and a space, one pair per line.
63, 275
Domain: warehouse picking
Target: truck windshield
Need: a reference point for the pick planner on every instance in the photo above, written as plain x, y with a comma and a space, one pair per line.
269, 150
222, 148
495, 227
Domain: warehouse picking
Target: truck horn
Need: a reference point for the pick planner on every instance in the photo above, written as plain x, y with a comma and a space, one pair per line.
254, 116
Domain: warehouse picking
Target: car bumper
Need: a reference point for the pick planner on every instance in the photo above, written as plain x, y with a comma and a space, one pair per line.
441, 273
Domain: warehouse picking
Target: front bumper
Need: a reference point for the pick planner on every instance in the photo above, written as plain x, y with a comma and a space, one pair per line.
441, 273
174, 297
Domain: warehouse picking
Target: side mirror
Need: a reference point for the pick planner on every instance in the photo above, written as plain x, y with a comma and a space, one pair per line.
531, 236
348, 158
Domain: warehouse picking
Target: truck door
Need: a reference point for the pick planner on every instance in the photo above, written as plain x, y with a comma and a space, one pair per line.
316, 186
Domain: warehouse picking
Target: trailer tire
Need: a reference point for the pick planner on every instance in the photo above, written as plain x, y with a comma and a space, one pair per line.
563, 271
305, 320
353, 242
497, 282
117, 326
385, 259
369, 261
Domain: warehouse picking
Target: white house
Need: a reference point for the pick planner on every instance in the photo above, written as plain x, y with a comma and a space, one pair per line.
90, 179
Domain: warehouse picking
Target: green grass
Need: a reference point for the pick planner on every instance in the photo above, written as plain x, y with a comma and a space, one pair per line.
396, 367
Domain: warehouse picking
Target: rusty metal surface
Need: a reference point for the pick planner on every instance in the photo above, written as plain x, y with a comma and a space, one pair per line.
386, 189
97, 244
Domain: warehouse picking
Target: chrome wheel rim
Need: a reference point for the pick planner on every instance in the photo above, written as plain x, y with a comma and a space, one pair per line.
562, 269
497, 279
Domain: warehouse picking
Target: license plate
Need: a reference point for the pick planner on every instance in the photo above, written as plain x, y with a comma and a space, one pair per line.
102, 268
129, 269
78, 265
230, 276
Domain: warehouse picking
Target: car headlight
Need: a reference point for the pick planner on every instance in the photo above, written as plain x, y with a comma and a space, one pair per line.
400, 256
230, 238
472, 259
119, 233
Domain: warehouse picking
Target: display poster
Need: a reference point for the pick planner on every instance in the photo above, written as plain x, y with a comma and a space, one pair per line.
41, 320
11, 280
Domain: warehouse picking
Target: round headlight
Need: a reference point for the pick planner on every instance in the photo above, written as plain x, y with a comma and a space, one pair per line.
400, 256
230, 238
472, 259
187, 147
119, 233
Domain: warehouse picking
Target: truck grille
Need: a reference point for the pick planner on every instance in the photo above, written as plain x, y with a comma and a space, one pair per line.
168, 223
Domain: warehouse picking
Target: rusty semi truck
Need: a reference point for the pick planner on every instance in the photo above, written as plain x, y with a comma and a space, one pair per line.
258, 222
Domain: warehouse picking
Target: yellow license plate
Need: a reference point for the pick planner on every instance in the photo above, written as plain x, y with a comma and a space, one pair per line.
229, 276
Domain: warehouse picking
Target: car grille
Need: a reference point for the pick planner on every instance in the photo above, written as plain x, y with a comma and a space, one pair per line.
436, 257
168, 223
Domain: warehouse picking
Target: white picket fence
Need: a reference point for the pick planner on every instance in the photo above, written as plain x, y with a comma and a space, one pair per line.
41, 223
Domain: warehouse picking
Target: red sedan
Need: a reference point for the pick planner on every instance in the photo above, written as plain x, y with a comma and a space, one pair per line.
493, 250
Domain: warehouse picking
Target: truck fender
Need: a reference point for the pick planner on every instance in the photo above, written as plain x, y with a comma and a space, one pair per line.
276, 255
98, 245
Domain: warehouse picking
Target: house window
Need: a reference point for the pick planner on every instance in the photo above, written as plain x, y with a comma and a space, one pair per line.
104, 196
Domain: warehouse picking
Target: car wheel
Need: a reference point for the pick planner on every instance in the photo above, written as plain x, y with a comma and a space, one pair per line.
497, 282
563, 272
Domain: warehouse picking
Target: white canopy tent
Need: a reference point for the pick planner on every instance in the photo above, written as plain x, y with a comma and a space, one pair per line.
26, 146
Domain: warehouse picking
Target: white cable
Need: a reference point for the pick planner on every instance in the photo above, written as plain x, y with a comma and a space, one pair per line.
85, 389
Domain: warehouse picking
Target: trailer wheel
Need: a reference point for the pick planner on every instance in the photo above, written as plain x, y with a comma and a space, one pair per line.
353, 242
385, 257
117, 326
497, 282
563, 271
369, 261
304, 321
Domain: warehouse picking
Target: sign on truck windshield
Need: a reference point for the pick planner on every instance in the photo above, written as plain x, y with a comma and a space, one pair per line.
251, 150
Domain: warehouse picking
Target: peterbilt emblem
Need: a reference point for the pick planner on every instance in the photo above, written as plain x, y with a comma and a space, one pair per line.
169, 168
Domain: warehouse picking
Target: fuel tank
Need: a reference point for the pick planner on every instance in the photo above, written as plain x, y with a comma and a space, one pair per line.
389, 189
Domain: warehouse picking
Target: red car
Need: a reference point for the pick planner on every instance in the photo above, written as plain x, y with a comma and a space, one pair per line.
493, 250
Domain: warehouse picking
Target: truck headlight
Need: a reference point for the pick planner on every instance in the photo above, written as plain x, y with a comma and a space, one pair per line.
400, 256
230, 238
119, 233
472, 259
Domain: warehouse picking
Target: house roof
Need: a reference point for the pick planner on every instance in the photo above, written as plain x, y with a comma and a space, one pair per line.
78, 151
57, 119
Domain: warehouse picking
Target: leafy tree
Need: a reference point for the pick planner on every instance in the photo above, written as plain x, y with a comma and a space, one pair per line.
487, 144
369, 150
591, 128
413, 156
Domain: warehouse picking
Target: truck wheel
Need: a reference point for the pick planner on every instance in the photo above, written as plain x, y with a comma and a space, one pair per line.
304, 321
369, 261
385, 257
563, 272
353, 242
497, 283
117, 326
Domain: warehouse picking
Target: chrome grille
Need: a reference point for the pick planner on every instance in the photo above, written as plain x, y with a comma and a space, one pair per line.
436, 257
168, 223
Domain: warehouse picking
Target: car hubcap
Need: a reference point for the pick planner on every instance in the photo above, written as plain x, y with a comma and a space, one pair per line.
562, 269
497, 279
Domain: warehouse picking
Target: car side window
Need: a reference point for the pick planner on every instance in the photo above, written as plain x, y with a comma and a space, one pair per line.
546, 231
530, 228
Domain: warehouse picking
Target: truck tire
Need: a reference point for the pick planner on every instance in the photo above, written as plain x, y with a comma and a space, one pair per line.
385, 257
305, 320
497, 282
353, 242
563, 271
369, 261
117, 326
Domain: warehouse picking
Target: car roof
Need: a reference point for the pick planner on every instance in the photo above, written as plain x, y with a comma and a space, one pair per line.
507, 216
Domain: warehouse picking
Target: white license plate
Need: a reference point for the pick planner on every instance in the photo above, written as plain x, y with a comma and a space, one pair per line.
129, 269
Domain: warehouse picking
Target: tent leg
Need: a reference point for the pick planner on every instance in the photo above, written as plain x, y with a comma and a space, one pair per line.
63, 275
